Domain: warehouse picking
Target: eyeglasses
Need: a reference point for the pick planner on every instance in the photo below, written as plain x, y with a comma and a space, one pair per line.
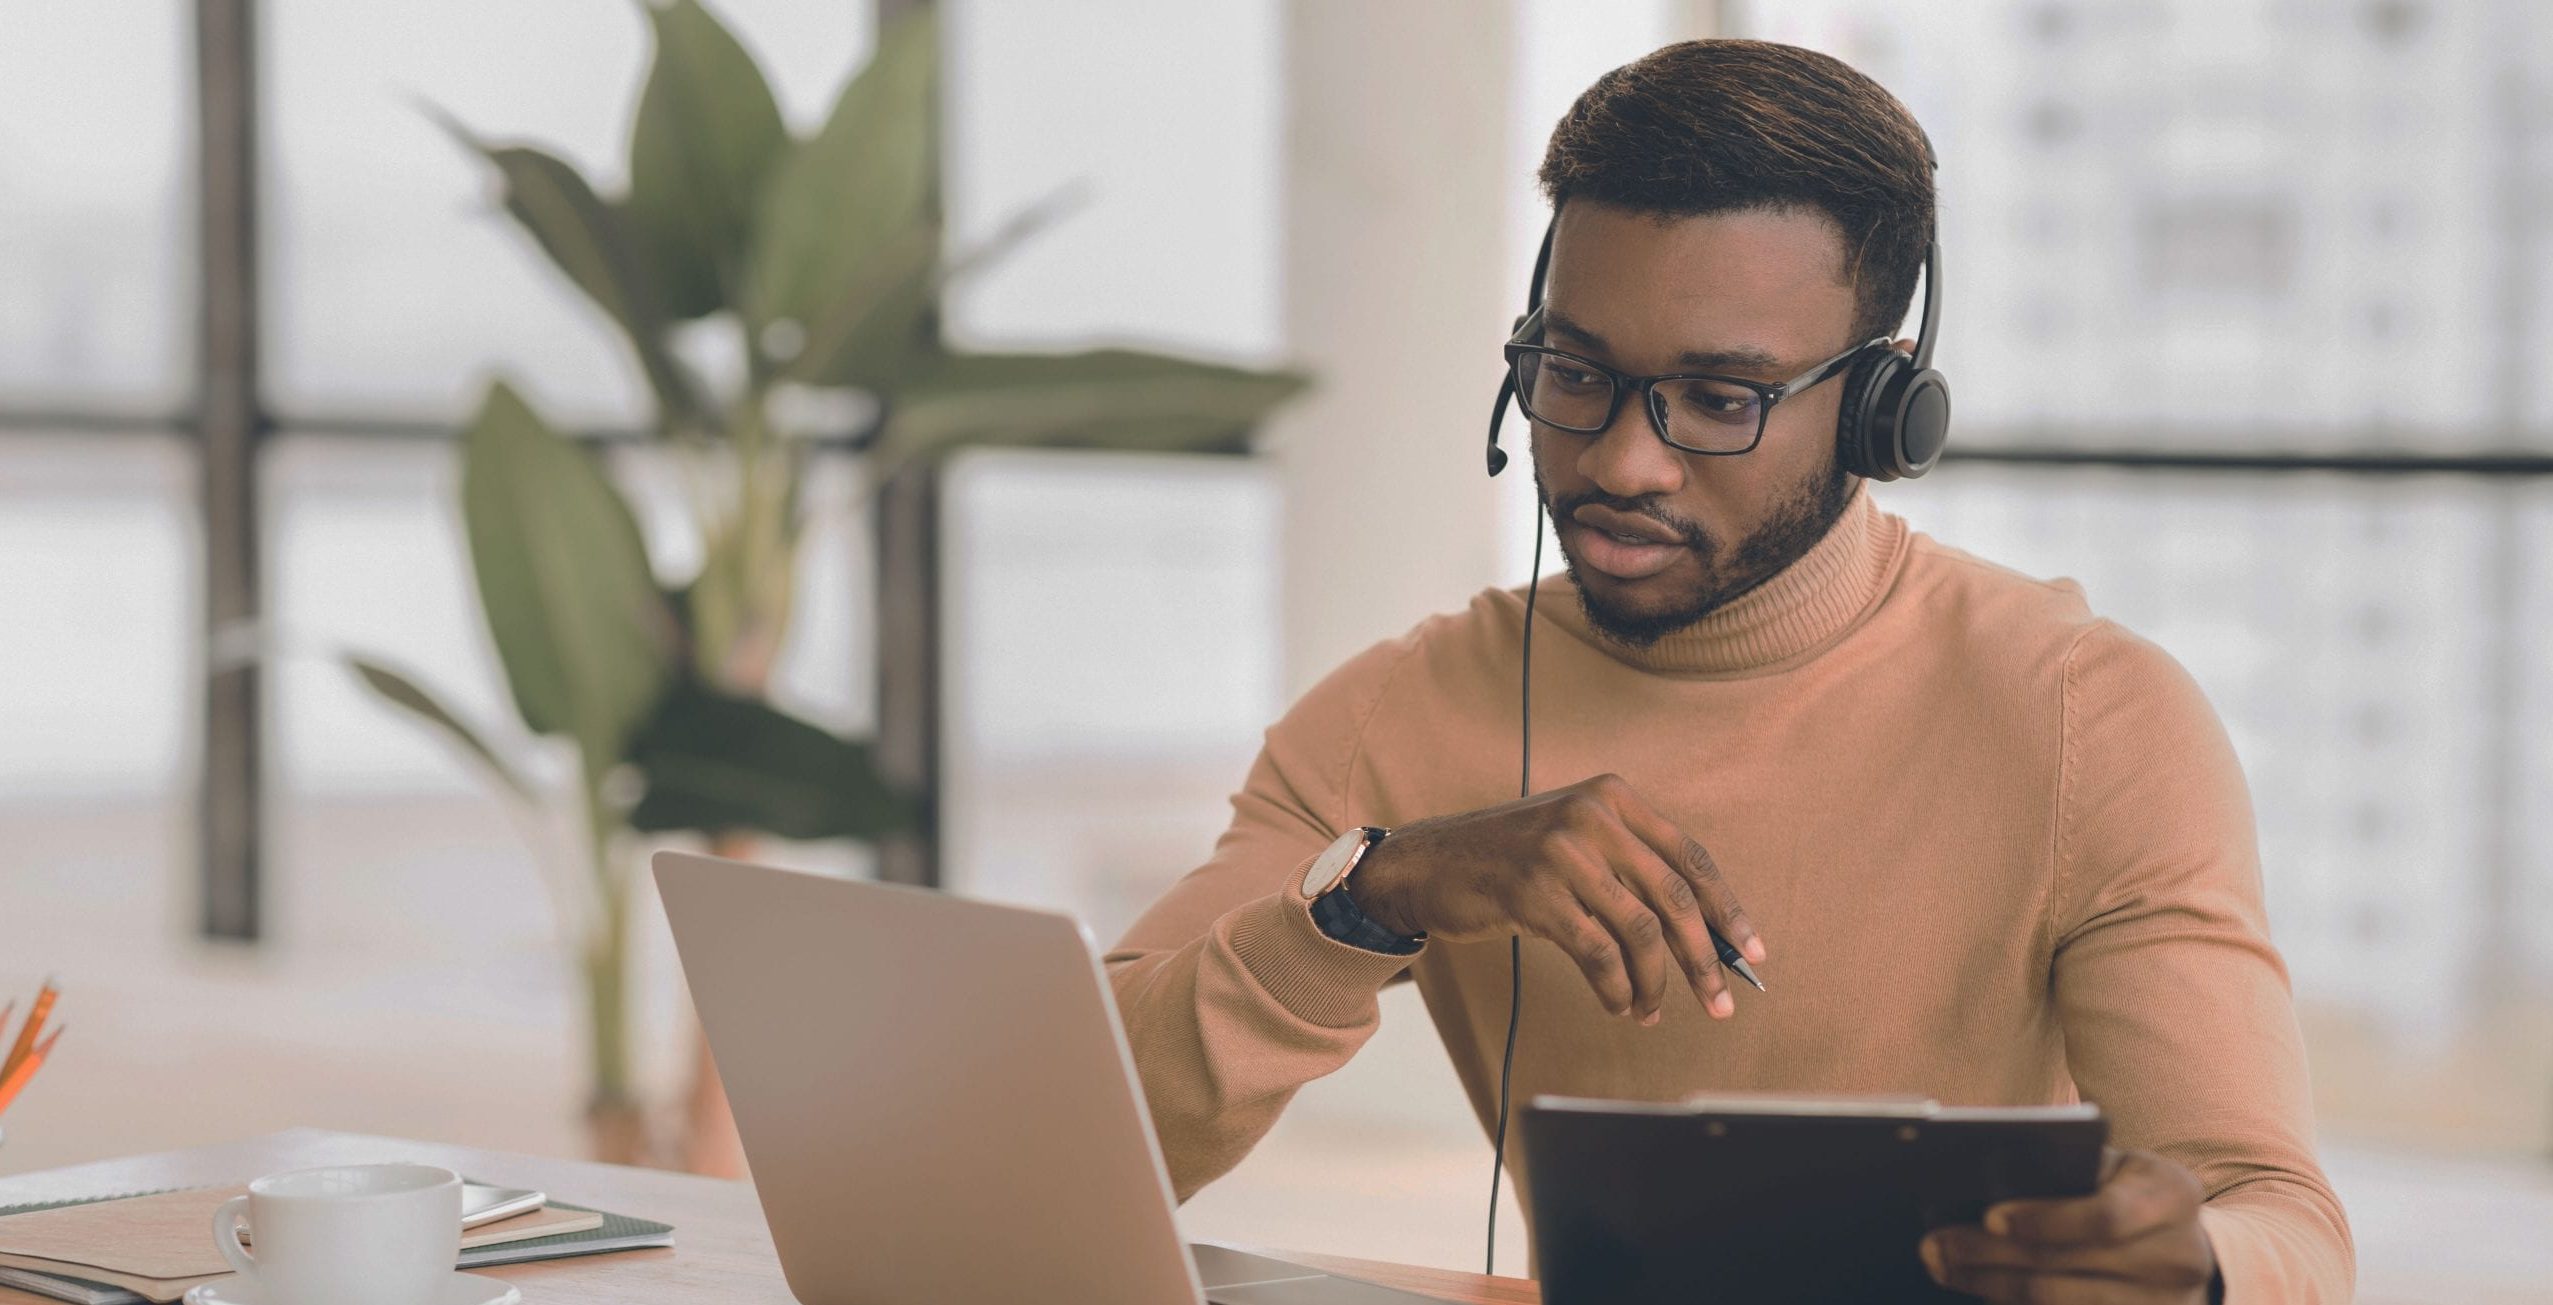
1697, 412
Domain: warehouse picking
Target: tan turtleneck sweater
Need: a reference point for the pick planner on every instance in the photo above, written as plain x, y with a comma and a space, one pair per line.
1999, 849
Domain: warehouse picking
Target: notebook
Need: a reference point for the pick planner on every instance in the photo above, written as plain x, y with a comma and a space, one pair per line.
159, 1244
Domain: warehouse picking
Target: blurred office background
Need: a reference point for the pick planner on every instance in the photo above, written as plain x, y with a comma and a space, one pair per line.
2247, 306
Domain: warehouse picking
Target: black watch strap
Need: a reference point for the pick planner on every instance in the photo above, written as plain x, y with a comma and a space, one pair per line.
1339, 917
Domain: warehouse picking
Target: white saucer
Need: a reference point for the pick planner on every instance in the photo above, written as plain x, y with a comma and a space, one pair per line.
459, 1289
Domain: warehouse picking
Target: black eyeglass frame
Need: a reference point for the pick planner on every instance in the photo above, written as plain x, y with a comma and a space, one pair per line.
1770, 393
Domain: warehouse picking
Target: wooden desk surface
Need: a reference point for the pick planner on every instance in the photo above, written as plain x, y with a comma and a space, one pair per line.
722, 1252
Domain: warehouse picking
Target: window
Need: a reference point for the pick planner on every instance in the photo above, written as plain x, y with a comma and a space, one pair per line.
2240, 243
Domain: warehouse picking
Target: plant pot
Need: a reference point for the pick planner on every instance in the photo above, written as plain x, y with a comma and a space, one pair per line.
616, 1132
709, 1143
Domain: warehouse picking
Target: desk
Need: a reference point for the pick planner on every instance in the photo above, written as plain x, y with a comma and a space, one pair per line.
721, 1251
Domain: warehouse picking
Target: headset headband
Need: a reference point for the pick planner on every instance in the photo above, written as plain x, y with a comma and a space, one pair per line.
1924, 328
1932, 301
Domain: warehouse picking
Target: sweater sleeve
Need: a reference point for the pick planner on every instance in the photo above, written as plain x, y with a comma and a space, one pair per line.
2177, 1013
1232, 998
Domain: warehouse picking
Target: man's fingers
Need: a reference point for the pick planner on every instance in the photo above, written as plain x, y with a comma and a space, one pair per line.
2020, 1287
1564, 921
1636, 929
2139, 1194
1690, 861
2163, 1257
1719, 900
1670, 898
2136, 1239
1654, 889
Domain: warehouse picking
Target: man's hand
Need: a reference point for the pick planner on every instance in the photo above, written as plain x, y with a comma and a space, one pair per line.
2137, 1239
1591, 867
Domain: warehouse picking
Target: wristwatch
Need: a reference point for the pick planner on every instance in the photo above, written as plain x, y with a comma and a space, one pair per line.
1335, 911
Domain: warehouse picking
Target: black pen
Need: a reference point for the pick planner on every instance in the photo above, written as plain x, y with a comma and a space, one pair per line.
1732, 958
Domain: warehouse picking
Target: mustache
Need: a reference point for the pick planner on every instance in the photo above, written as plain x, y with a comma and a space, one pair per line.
1687, 531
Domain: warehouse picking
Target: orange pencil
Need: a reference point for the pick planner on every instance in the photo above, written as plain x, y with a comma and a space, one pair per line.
35, 1024
17, 1078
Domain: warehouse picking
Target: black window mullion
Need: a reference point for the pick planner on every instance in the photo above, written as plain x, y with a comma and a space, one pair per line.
229, 424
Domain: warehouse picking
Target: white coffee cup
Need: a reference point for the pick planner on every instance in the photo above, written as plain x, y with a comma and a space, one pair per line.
380, 1234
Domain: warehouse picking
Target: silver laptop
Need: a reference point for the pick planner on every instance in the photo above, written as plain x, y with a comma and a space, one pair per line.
938, 1102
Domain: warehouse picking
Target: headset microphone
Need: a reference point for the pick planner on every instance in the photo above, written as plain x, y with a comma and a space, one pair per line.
1891, 425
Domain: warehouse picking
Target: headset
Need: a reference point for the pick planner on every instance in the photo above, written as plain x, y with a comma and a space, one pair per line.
1894, 419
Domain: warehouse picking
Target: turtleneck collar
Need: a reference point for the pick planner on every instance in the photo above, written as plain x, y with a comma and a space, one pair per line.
1800, 608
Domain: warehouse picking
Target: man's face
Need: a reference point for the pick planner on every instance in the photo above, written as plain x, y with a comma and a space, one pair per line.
1758, 294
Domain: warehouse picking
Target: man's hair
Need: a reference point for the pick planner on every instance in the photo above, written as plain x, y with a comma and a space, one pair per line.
1718, 126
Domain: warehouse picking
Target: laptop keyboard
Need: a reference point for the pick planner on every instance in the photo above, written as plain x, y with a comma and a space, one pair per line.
1239, 1278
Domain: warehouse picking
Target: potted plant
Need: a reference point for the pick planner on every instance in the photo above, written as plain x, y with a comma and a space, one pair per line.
822, 257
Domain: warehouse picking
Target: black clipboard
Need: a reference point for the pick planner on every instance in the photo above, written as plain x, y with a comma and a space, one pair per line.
1792, 1199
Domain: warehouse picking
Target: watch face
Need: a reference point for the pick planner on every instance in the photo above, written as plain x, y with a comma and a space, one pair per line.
1332, 862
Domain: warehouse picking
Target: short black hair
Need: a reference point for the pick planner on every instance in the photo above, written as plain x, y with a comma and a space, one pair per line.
1722, 125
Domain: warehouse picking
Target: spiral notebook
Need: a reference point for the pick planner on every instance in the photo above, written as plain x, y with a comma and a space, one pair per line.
152, 1246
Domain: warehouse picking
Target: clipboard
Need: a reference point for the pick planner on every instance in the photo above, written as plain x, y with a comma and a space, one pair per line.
1779, 1198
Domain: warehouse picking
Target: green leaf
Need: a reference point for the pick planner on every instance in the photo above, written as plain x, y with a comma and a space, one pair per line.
406, 694
881, 323
585, 238
586, 637
715, 762
702, 147
846, 241
883, 326
1104, 398
1022, 226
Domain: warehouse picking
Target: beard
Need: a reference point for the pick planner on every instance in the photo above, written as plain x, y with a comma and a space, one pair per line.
1729, 569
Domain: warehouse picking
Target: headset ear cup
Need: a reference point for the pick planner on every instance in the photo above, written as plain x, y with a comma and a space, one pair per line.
1858, 417
1919, 423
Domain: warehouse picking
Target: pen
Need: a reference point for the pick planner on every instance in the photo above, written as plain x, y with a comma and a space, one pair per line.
1730, 957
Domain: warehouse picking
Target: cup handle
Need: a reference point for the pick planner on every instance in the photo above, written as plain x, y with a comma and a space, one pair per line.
226, 1222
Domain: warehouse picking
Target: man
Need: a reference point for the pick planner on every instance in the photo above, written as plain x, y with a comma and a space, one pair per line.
1989, 847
